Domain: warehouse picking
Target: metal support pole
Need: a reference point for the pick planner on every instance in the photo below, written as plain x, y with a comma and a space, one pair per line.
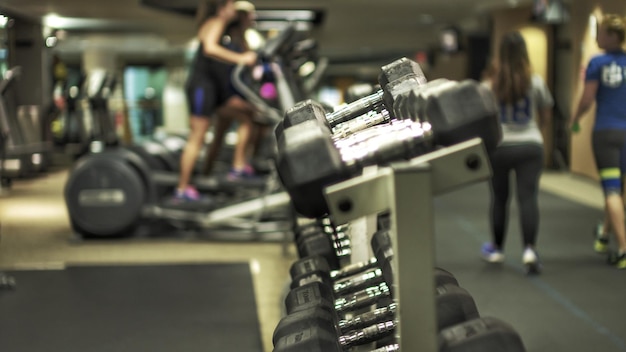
412, 238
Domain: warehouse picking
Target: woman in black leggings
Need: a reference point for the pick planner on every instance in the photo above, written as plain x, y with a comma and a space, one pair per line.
525, 105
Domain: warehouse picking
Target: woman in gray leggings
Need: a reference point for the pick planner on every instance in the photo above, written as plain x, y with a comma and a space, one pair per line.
525, 105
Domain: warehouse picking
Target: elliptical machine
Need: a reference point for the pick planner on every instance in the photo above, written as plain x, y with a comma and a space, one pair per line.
119, 190
6, 282
86, 118
25, 152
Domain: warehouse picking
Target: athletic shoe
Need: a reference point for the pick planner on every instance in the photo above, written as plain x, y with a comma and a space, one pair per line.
618, 260
246, 173
621, 262
491, 254
249, 170
530, 259
601, 242
189, 194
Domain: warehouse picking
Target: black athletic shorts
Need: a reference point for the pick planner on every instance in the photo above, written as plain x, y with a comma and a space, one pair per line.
206, 94
609, 150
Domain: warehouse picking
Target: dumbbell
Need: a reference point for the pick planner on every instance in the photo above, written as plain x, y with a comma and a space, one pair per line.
308, 159
480, 334
317, 267
327, 293
314, 339
374, 333
358, 276
375, 123
305, 304
403, 69
321, 315
333, 245
318, 294
310, 270
310, 109
377, 275
302, 225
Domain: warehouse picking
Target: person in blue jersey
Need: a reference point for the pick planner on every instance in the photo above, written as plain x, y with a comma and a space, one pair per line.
209, 91
605, 84
525, 105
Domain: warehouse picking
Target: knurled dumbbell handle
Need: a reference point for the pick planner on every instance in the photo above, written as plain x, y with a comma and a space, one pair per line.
369, 133
368, 318
390, 348
369, 334
355, 283
362, 298
414, 139
353, 269
356, 108
371, 118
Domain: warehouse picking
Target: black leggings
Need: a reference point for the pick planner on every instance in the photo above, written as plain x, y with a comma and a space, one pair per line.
527, 163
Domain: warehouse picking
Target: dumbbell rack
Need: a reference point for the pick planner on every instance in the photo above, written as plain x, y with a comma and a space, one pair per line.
406, 190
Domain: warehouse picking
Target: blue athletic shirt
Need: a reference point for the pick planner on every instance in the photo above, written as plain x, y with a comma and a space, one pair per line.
609, 70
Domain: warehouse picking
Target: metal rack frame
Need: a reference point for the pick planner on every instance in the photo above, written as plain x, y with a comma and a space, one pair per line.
407, 189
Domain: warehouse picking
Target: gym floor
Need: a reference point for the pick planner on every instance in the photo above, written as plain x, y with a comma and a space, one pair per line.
36, 235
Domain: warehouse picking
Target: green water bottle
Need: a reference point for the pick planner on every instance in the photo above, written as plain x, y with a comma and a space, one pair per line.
576, 127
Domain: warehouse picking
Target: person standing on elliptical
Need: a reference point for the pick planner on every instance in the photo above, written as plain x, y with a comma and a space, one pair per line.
209, 91
234, 38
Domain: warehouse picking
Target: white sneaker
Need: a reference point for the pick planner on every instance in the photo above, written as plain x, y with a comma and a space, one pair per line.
491, 254
531, 261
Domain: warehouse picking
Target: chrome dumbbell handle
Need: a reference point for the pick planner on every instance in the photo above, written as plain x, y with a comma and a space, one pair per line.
356, 108
370, 119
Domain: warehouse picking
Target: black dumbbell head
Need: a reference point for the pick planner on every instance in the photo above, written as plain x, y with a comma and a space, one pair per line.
454, 305
309, 265
312, 339
304, 111
481, 334
319, 245
398, 69
410, 104
444, 277
314, 294
304, 319
395, 89
464, 111
308, 161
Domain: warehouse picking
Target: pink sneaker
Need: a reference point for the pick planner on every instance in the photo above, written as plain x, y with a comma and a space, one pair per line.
188, 194
246, 173
248, 170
